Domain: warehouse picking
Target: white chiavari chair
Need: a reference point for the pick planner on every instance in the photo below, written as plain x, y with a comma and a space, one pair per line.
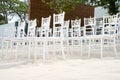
20, 29
89, 26
109, 46
44, 30
21, 44
70, 32
98, 26
6, 47
110, 24
118, 28
40, 48
31, 28
75, 26
66, 36
66, 28
58, 23
118, 43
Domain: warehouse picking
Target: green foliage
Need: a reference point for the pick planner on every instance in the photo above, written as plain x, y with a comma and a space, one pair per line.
20, 8
68, 5
111, 5
2, 20
8, 7
62, 5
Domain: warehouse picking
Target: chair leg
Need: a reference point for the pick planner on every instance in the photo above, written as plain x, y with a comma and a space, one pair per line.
44, 51
29, 51
16, 53
35, 54
62, 47
89, 48
81, 48
101, 52
115, 50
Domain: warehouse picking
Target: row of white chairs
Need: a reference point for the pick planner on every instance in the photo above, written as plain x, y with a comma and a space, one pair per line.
101, 26
45, 48
92, 26
63, 40
60, 27
108, 25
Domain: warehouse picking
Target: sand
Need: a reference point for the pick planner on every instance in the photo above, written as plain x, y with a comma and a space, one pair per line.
73, 69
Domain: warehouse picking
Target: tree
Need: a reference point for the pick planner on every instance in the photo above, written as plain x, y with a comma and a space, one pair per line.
3, 9
20, 8
111, 5
2, 20
68, 5
62, 5
8, 7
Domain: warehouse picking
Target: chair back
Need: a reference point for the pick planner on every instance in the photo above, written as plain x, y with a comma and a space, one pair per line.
75, 26
58, 23
45, 23
110, 24
66, 28
21, 29
44, 30
31, 27
89, 26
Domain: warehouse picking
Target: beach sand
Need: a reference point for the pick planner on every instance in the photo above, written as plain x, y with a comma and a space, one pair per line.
71, 69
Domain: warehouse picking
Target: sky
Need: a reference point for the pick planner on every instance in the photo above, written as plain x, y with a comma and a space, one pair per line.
100, 12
